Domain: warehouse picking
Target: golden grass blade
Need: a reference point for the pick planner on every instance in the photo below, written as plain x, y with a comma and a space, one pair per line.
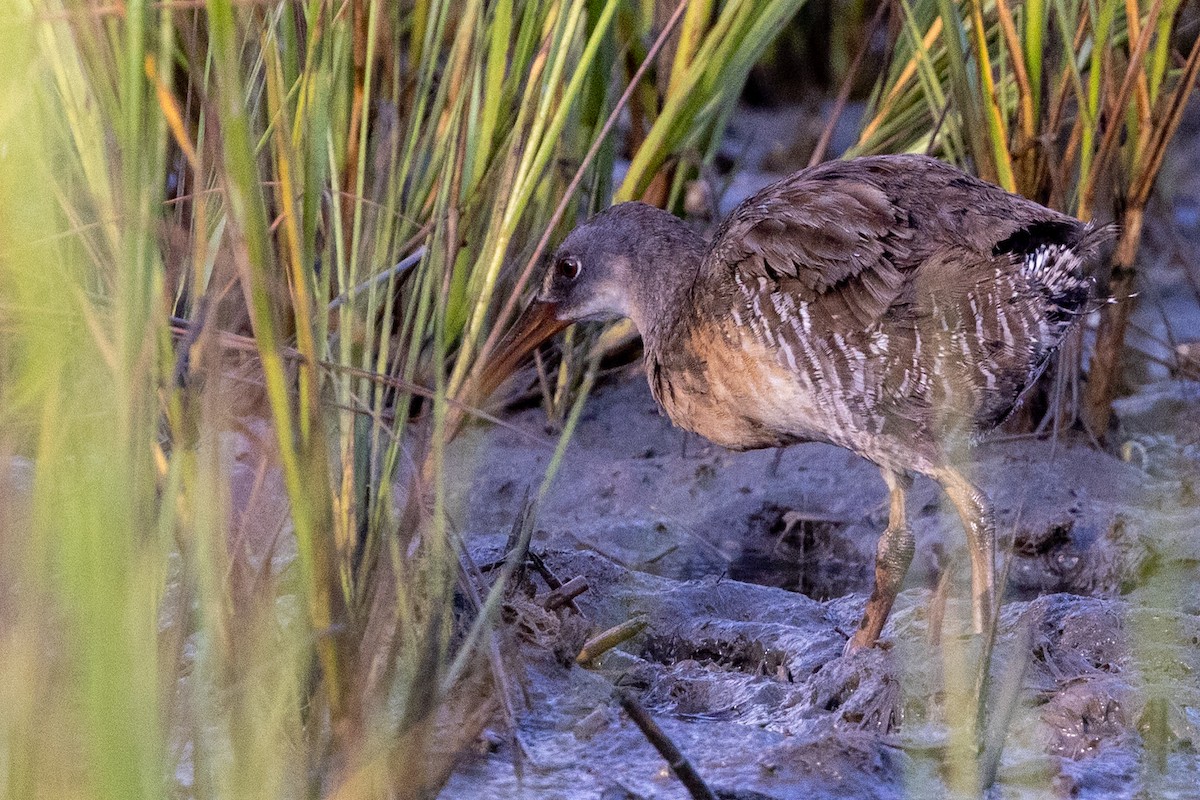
997, 129
898, 86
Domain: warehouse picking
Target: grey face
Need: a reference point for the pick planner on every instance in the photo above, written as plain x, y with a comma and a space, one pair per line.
588, 280
624, 262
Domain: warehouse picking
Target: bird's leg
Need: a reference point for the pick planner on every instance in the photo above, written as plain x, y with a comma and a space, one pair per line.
976, 516
893, 554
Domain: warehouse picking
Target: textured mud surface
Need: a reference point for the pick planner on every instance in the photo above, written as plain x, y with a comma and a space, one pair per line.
751, 574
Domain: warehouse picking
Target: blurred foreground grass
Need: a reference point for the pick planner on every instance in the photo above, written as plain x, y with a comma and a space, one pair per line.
253, 252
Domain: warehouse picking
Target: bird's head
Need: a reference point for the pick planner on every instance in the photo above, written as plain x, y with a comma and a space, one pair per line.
594, 274
626, 261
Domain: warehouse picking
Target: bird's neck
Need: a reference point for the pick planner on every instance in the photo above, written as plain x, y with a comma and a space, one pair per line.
664, 293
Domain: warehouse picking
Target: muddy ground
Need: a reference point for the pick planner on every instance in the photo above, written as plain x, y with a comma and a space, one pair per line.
751, 574
752, 569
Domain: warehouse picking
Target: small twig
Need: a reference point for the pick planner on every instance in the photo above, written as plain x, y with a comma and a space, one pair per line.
400, 268
566, 593
561, 594
488, 566
773, 470
539, 565
937, 128
674, 757
839, 105
600, 644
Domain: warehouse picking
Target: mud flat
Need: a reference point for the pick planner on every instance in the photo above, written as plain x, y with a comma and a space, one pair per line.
751, 569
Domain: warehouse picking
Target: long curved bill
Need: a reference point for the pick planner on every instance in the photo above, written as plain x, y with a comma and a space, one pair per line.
537, 323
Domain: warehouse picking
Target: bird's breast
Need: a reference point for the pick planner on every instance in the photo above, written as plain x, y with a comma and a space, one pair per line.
726, 387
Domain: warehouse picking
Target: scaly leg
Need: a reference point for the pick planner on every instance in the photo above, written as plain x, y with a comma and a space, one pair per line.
893, 555
976, 516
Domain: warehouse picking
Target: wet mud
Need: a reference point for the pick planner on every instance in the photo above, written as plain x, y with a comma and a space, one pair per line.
751, 571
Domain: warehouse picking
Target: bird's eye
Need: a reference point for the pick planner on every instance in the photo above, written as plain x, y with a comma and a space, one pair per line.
568, 268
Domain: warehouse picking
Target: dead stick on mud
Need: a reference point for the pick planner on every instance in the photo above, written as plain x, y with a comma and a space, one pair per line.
601, 643
566, 593
674, 757
539, 564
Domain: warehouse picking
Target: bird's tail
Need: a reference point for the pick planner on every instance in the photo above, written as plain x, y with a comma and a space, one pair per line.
1064, 269
1094, 240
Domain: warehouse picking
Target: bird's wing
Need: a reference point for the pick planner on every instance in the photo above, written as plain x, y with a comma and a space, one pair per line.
850, 239
905, 264
840, 248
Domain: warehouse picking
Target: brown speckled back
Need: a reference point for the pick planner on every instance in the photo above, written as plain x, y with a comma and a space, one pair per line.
907, 302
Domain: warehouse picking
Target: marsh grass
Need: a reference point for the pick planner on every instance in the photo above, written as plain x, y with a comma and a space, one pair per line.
268, 243
251, 255
1071, 104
